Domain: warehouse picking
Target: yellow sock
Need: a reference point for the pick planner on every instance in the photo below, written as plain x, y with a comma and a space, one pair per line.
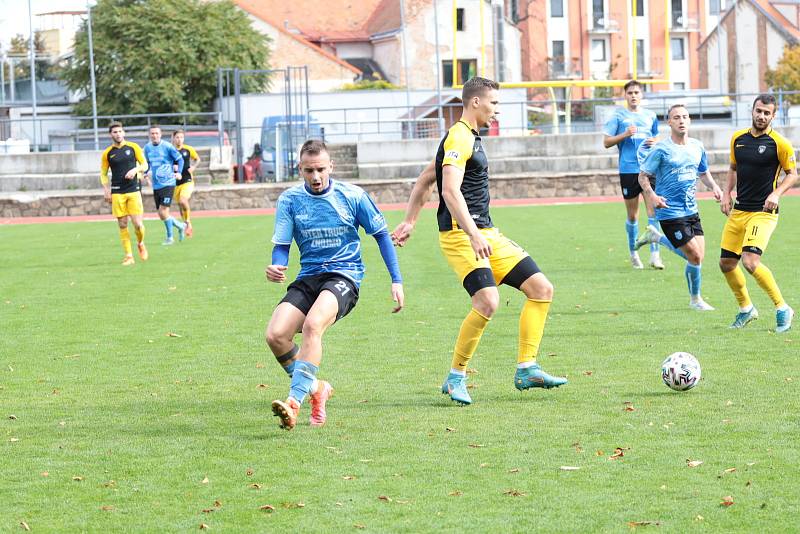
531, 328
125, 236
140, 234
738, 285
764, 277
468, 338
186, 213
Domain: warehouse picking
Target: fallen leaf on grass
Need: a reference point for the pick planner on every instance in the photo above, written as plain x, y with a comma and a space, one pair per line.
473, 386
634, 524
12, 440
475, 445
259, 365
384, 498
471, 371
204, 481
77, 479
12, 417
514, 493
203, 526
359, 526
515, 470
267, 508
569, 468
349, 477
455, 493
599, 453
619, 452
629, 408
729, 470
693, 463
45, 474
255, 486
107, 508
588, 373
173, 334
699, 517
483, 465
727, 501
448, 429
365, 460
363, 401
209, 510
249, 472
262, 386
24, 526
110, 484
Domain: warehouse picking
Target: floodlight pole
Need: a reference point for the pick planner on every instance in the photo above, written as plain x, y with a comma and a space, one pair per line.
405, 55
89, 6
33, 75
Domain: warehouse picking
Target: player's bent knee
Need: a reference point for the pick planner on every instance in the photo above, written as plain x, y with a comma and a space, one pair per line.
486, 301
751, 262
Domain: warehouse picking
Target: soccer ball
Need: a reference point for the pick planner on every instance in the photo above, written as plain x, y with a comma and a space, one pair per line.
680, 371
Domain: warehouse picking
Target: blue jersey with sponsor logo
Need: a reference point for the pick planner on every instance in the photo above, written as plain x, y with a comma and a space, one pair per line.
646, 124
161, 158
325, 228
676, 168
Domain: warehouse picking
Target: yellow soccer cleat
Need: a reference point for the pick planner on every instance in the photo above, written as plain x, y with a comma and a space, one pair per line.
143, 252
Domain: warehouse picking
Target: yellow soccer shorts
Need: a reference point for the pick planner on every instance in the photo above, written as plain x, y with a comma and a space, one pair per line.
184, 191
124, 204
459, 254
749, 231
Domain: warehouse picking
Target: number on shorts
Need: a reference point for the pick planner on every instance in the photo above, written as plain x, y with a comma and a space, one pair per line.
342, 287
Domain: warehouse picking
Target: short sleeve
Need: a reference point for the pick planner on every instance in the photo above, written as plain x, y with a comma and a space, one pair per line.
654, 127
612, 125
369, 216
733, 152
652, 161
458, 147
703, 166
192, 153
642, 152
137, 152
786, 154
284, 222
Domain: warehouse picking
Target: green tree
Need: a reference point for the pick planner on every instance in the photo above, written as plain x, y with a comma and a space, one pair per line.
161, 56
19, 49
786, 75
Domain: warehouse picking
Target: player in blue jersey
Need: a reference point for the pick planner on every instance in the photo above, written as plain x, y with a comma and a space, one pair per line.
166, 165
675, 164
322, 216
628, 129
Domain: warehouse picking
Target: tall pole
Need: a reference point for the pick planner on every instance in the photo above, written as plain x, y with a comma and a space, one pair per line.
33, 76
89, 6
438, 67
405, 55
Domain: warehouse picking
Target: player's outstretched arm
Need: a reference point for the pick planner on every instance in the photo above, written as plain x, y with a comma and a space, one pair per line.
276, 271
419, 195
709, 182
392, 265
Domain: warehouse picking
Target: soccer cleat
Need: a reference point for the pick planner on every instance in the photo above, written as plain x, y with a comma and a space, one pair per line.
287, 411
128, 260
655, 261
456, 387
143, 252
181, 232
700, 305
168, 241
636, 262
650, 235
318, 400
783, 320
744, 318
534, 377
189, 229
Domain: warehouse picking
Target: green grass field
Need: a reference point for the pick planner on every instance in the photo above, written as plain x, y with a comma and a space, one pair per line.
110, 424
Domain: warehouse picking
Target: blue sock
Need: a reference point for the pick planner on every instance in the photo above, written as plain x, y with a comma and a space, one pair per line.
290, 368
664, 241
693, 279
631, 228
168, 224
302, 379
178, 223
652, 221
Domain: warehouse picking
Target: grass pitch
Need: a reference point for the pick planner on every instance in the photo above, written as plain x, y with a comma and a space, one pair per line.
137, 399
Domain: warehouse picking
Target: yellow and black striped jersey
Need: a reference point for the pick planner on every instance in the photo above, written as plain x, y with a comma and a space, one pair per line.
462, 148
759, 161
121, 159
189, 154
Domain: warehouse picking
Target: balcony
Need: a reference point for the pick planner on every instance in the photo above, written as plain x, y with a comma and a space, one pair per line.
653, 69
560, 68
683, 24
604, 23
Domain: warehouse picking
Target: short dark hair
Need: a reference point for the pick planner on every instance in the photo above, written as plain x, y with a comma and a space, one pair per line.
112, 125
477, 86
312, 147
630, 84
673, 106
176, 132
154, 126
765, 99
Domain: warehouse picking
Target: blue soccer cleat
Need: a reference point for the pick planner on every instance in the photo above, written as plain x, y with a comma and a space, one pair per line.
534, 377
745, 318
456, 387
783, 320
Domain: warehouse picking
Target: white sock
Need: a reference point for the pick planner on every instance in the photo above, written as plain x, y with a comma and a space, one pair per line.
458, 372
783, 308
746, 310
525, 365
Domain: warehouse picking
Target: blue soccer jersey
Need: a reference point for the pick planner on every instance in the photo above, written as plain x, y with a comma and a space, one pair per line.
676, 168
325, 228
162, 158
646, 124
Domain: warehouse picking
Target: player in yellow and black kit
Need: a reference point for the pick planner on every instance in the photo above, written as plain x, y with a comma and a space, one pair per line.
480, 255
185, 186
758, 154
126, 162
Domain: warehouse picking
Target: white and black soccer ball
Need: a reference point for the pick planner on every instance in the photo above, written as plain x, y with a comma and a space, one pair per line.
680, 371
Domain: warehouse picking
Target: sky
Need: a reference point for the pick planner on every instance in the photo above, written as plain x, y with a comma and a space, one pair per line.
14, 15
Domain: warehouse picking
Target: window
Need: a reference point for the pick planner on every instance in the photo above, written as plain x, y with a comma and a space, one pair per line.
514, 9
677, 14
460, 19
679, 86
640, 55
677, 48
467, 68
598, 50
640, 8
558, 57
714, 7
556, 8
598, 13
